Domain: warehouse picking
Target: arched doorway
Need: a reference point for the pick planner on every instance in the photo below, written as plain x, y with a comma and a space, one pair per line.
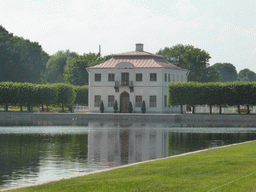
124, 102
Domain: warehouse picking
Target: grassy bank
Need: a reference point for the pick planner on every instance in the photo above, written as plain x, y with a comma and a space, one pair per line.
231, 168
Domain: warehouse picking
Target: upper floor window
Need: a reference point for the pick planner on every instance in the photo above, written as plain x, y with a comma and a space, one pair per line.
97, 77
169, 77
138, 76
111, 77
153, 77
165, 77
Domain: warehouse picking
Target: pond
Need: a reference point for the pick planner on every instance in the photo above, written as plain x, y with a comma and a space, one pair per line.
31, 154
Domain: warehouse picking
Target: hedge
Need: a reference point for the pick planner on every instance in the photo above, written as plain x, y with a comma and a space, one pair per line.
41, 94
192, 93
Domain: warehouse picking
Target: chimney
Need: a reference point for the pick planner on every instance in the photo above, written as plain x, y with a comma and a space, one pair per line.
139, 47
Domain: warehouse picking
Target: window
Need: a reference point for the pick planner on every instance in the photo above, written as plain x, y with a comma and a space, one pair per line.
111, 77
169, 77
138, 101
152, 101
97, 99
111, 99
97, 77
152, 76
165, 77
138, 76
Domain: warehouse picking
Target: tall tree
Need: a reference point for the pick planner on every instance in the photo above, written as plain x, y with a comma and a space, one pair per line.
76, 73
227, 71
193, 59
246, 75
57, 66
20, 60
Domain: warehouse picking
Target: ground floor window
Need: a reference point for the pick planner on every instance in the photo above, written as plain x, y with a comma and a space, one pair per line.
111, 99
152, 101
97, 99
138, 101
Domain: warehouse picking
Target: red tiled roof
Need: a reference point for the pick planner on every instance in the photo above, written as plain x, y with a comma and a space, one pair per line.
139, 59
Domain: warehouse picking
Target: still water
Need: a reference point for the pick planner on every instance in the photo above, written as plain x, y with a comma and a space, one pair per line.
31, 154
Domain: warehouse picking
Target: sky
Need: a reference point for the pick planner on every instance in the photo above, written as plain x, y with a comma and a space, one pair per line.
225, 29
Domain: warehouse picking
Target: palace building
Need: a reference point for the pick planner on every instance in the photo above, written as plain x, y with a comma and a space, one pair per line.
135, 76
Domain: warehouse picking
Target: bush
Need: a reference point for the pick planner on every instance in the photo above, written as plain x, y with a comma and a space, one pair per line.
115, 106
143, 107
101, 107
130, 109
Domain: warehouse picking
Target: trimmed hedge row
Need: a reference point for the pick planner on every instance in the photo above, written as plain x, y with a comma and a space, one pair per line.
192, 93
29, 94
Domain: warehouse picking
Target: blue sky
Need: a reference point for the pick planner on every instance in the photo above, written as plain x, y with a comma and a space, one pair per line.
225, 29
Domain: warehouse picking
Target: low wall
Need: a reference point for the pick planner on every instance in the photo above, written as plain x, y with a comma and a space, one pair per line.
187, 120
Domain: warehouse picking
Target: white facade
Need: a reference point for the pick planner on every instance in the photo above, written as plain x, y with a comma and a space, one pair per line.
146, 82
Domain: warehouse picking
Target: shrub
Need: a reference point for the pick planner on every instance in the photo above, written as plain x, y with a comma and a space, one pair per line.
143, 107
130, 109
101, 106
115, 106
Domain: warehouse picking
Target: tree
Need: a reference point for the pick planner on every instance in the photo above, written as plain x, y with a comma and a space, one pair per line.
246, 75
143, 107
76, 72
81, 95
57, 66
130, 109
227, 72
115, 106
193, 59
20, 60
102, 106
66, 94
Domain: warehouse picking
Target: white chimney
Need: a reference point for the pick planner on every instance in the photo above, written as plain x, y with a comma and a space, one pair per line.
139, 47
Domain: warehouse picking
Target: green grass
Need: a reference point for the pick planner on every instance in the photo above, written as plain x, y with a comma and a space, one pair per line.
229, 167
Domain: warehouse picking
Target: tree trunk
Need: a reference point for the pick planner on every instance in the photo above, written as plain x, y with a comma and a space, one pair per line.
62, 107
47, 108
20, 107
220, 109
248, 109
210, 109
6, 107
193, 111
181, 109
42, 107
29, 107
238, 107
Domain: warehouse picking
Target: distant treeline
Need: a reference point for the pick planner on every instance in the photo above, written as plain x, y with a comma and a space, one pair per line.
221, 94
28, 94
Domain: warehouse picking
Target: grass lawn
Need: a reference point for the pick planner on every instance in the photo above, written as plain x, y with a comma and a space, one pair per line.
231, 168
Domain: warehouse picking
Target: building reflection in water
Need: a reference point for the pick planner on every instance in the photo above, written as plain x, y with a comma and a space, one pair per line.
114, 147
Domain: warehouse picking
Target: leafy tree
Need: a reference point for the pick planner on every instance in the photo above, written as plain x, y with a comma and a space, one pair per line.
246, 75
57, 66
77, 74
20, 59
227, 71
81, 95
193, 59
66, 94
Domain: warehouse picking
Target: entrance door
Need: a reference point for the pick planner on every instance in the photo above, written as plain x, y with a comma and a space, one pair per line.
125, 79
124, 102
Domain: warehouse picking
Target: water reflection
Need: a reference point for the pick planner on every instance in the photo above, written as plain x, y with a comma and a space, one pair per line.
41, 153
